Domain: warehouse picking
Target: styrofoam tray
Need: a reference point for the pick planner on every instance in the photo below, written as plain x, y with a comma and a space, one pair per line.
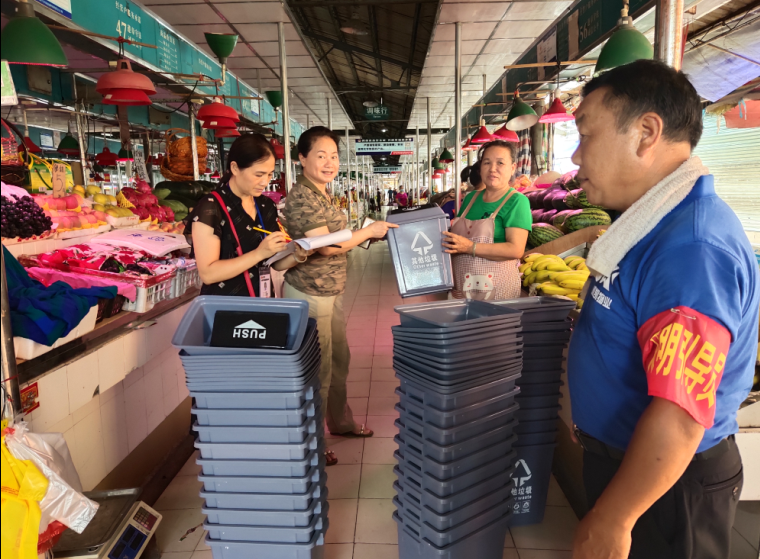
281, 518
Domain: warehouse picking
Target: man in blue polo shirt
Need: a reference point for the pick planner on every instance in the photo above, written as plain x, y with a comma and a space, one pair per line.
663, 353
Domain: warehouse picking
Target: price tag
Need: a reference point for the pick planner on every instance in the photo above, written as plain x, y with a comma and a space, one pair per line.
59, 180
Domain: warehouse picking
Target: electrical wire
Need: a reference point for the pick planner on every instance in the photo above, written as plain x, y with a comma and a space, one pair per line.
183, 104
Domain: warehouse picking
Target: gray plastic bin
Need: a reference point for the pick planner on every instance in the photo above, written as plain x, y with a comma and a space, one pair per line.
449, 470
281, 518
268, 400
547, 338
194, 331
264, 468
533, 470
460, 433
530, 365
449, 453
314, 549
257, 418
208, 434
542, 426
456, 386
459, 399
459, 416
538, 414
266, 501
447, 336
551, 326
456, 501
458, 315
501, 344
285, 485
458, 373
511, 353
263, 451
532, 402
273, 534
543, 351
540, 389
486, 543
540, 377
533, 439
539, 309
416, 247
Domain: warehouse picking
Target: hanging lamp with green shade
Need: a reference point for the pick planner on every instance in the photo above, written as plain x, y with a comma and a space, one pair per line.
274, 98
125, 155
521, 115
68, 145
27, 40
446, 156
627, 44
437, 165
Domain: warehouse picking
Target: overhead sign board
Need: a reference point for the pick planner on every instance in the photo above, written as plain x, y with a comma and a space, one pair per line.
380, 112
404, 146
386, 169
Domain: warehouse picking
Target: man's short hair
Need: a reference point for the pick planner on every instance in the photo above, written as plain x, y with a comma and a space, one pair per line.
650, 86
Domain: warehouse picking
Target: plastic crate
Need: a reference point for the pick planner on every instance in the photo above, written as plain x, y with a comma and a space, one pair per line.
247, 434
265, 400
458, 315
268, 534
148, 297
533, 439
538, 414
540, 388
541, 426
532, 402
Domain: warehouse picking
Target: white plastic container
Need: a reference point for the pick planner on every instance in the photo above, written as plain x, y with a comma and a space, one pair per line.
29, 349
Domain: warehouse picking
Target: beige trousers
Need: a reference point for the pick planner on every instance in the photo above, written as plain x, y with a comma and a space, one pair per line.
336, 357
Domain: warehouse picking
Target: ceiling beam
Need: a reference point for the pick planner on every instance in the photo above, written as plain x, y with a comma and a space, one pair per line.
343, 46
412, 52
376, 46
326, 3
371, 89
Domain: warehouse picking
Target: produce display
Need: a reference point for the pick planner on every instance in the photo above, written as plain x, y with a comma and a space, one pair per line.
104, 258
551, 275
181, 197
22, 218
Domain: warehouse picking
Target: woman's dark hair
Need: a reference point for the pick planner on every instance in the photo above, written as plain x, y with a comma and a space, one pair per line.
471, 174
245, 151
307, 139
511, 146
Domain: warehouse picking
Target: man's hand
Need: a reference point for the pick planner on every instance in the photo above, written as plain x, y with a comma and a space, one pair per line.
598, 538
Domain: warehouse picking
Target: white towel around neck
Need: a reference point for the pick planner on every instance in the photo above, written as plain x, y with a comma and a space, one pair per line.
643, 216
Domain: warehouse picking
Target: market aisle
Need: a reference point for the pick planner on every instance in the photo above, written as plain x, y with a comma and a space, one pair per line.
360, 485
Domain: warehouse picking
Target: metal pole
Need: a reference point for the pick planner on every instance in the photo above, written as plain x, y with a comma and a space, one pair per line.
550, 148
329, 113
458, 114
668, 32
194, 147
308, 121
348, 176
417, 160
26, 124
80, 131
10, 380
285, 104
429, 150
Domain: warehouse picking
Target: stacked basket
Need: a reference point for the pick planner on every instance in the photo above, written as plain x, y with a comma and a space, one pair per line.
458, 362
546, 332
260, 434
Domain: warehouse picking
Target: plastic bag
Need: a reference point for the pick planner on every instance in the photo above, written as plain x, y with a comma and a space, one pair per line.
63, 500
23, 486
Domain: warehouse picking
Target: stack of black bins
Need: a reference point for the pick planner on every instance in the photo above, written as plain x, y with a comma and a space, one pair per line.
458, 363
260, 433
546, 333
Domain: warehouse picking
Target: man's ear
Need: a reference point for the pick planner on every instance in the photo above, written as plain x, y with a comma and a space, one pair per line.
650, 127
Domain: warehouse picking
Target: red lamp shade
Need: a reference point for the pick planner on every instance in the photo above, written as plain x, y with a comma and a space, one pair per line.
227, 133
126, 97
506, 135
220, 122
31, 147
556, 113
482, 136
468, 146
106, 158
121, 79
279, 149
215, 175
216, 110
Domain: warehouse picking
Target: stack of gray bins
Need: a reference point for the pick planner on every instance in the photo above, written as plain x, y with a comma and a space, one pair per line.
260, 433
546, 332
457, 362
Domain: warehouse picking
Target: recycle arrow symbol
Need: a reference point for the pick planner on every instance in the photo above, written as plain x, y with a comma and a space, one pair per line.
418, 239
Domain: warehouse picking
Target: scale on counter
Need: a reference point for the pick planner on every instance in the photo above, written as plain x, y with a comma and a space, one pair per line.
121, 528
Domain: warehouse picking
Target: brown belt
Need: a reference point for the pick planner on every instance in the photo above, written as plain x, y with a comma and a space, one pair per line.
595, 446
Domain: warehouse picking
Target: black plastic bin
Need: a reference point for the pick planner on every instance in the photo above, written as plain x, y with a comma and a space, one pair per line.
532, 402
537, 414
540, 389
540, 377
532, 474
526, 427
533, 439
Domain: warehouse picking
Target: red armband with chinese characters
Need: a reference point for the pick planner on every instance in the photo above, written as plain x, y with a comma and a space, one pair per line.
684, 353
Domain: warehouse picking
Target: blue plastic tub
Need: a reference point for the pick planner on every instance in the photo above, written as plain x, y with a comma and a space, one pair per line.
249, 484
262, 451
532, 474
267, 534
281, 518
266, 501
457, 315
460, 433
264, 468
452, 452
265, 400
423, 395
256, 418
208, 434
194, 331
456, 417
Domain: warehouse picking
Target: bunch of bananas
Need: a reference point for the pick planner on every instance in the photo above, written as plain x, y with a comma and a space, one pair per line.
554, 276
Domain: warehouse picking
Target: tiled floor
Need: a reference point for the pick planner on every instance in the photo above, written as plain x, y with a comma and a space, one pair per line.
360, 486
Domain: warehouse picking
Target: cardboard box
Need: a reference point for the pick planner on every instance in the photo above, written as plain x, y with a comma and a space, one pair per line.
569, 241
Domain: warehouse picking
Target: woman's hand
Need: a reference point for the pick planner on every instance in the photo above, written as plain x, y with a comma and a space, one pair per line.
302, 254
379, 229
456, 244
272, 244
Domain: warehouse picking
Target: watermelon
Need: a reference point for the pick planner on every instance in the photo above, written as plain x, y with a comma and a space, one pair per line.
176, 206
559, 219
162, 193
583, 200
586, 218
543, 233
572, 201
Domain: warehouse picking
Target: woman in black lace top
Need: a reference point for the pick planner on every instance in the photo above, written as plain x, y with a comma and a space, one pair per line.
212, 228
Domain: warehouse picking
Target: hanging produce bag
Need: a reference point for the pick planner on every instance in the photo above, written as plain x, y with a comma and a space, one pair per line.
23, 487
13, 169
41, 174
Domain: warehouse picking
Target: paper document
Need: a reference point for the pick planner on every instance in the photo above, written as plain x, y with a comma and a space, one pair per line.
311, 243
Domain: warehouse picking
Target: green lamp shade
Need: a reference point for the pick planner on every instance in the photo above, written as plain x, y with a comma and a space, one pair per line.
521, 116
446, 157
274, 98
626, 45
68, 145
221, 44
125, 155
437, 165
26, 40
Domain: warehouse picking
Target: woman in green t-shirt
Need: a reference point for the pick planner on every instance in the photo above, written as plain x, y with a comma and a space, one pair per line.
489, 235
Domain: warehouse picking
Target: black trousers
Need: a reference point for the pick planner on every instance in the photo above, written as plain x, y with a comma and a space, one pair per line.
693, 520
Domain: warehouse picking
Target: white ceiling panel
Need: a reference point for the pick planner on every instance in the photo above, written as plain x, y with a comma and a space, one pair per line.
470, 31
493, 59
195, 32
471, 12
304, 73
272, 48
245, 62
526, 29
467, 59
537, 10
253, 12
438, 71
296, 82
446, 48
507, 46
200, 13
257, 32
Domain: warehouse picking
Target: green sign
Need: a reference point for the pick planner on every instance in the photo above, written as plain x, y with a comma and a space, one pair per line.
380, 112
9, 97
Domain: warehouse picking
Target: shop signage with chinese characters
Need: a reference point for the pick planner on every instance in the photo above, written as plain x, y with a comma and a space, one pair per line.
381, 112
404, 146
386, 169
